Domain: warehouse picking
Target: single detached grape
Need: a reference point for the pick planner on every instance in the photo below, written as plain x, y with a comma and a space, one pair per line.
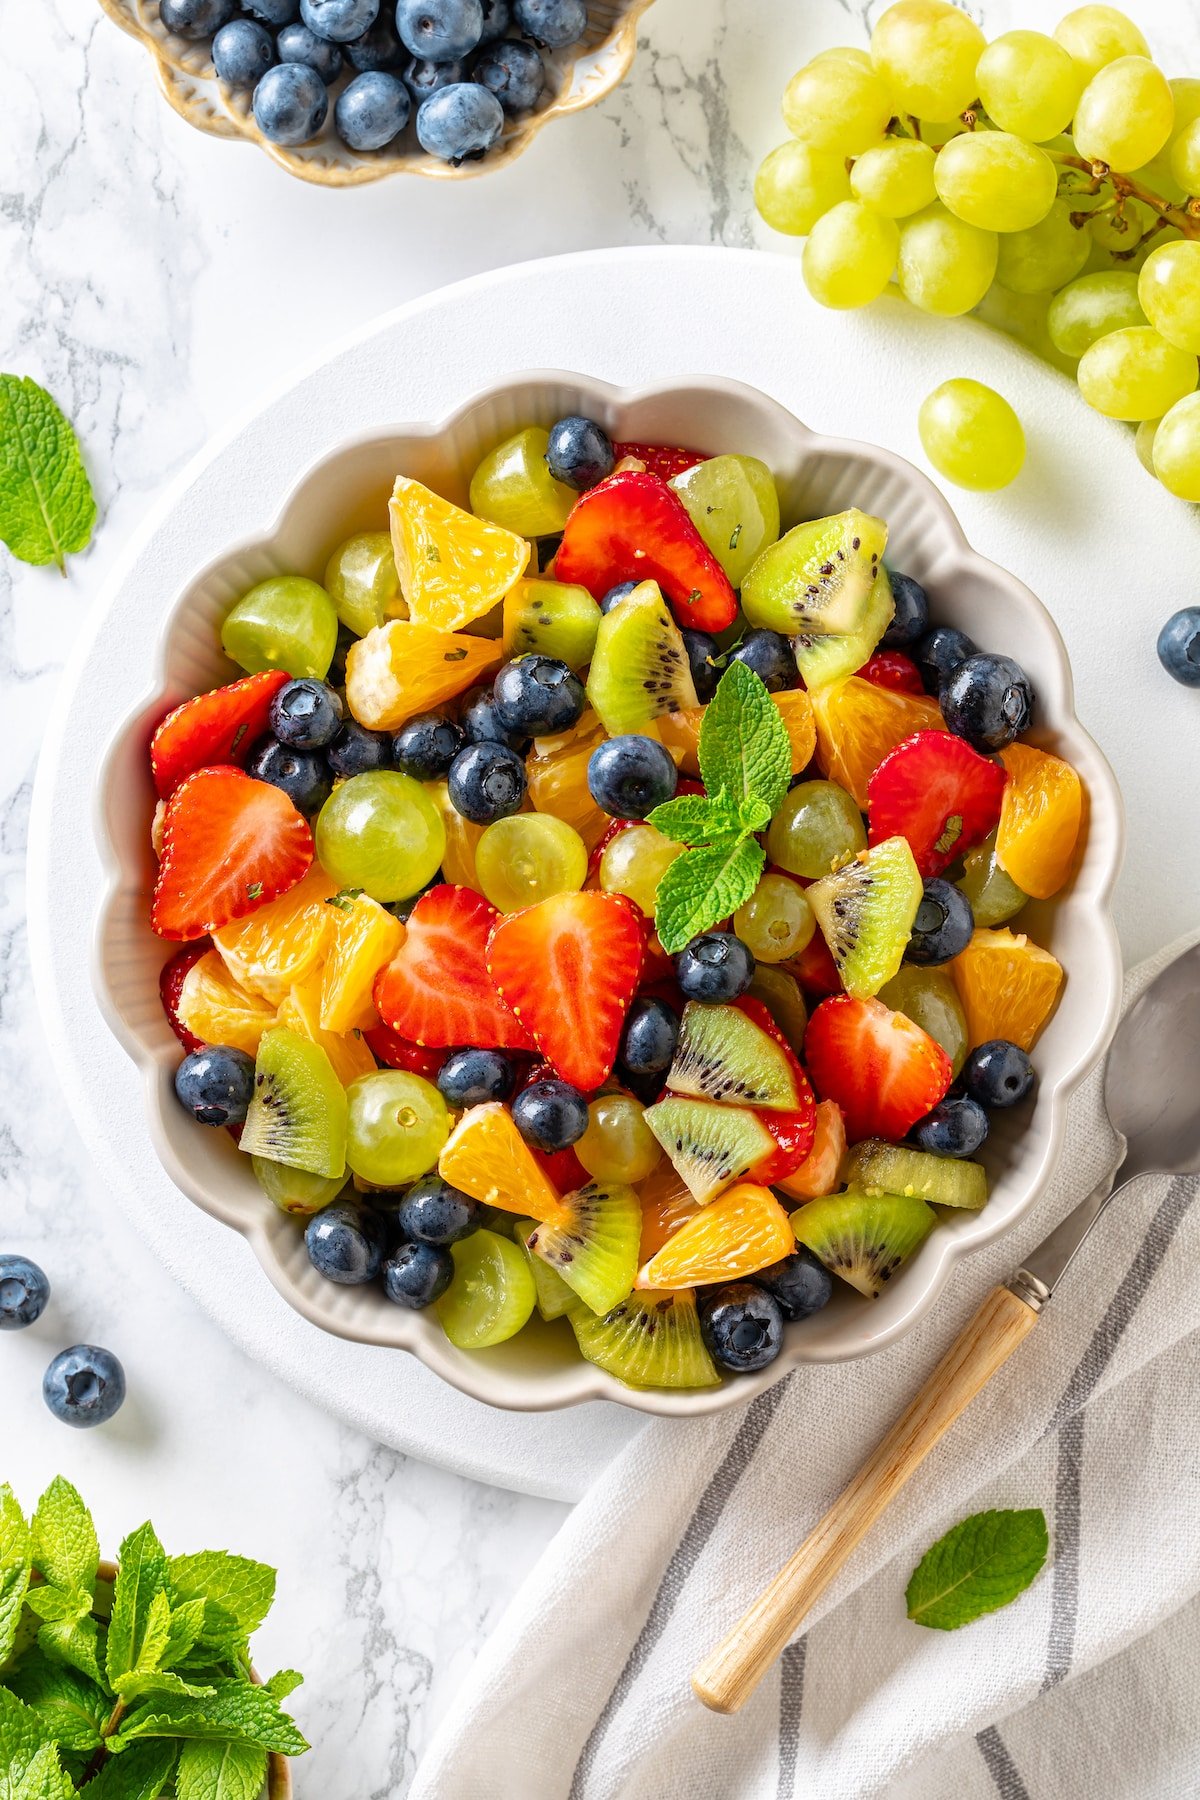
945, 266
849, 256
1091, 307
1135, 374
361, 580
995, 180
995, 897
776, 922
817, 829
1125, 114
895, 177
1094, 36
381, 833
513, 487
492, 1293
927, 53
1176, 449
618, 1145
285, 622
734, 505
796, 183
1041, 259
635, 861
527, 858
1169, 292
971, 435
930, 999
1029, 84
396, 1128
837, 105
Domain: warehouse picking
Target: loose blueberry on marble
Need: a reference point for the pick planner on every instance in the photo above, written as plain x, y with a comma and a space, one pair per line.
341, 21
554, 23
714, 968
473, 1077
440, 29
24, 1291
459, 123
910, 619
216, 1084
988, 701
357, 751
344, 1244
290, 103
306, 714
940, 652
297, 44
649, 1038
579, 453
550, 1115
1179, 646
702, 652
416, 1275
770, 656
943, 924
196, 18
84, 1385
303, 775
487, 782
242, 52
433, 1212
372, 111
426, 746
538, 695
742, 1326
514, 72
957, 1126
422, 77
800, 1284
629, 776
379, 48
998, 1073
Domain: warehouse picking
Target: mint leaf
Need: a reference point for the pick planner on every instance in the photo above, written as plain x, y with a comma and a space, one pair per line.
72, 1708
14, 1568
285, 1683
44, 1779
695, 819
22, 1735
47, 508
76, 1645
159, 1681
702, 887
187, 1623
235, 1710
744, 747
221, 1772
65, 1547
243, 1588
141, 1578
141, 1773
981, 1564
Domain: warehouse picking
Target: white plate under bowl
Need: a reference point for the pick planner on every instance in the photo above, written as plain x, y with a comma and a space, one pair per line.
347, 491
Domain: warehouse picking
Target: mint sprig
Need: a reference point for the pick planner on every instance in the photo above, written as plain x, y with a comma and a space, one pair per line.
47, 508
746, 764
981, 1564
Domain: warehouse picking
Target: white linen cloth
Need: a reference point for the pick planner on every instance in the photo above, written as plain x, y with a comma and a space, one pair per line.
1083, 1689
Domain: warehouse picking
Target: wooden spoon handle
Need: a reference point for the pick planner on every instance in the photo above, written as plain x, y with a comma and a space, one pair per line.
729, 1675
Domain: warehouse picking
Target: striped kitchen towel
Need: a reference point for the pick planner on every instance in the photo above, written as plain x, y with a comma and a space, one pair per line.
1083, 1689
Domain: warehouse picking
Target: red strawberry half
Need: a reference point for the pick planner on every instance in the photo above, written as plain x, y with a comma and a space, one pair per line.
884, 1072
569, 967
793, 1131
213, 728
892, 669
229, 844
396, 1052
937, 792
436, 990
663, 460
632, 525
170, 986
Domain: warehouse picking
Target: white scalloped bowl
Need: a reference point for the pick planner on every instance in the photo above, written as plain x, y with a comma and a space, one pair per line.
348, 491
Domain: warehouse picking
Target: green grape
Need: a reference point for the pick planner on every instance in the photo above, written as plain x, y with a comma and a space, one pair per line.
1176, 449
1185, 92
635, 861
930, 999
295, 1191
1040, 260
492, 1294
776, 922
734, 505
513, 487
1023, 317
837, 105
945, 266
1029, 84
1143, 442
848, 53
1169, 290
1094, 36
396, 1127
361, 580
895, 177
1091, 307
1135, 374
995, 897
995, 180
927, 51
936, 132
285, 622
796, 183
1125, 114
528, 858
817, 829
780, 994
971, 435
849, 256
618, 1145
1185, 158
381, 833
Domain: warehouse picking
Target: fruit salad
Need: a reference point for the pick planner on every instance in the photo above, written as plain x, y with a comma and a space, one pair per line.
603, 903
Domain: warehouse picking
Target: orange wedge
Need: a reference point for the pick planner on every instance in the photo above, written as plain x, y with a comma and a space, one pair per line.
857, 724
557, 769
402, 668
666, 1205
818, 1173
218, 1010
795, 709
1039, 820
348, 1052
453, 567
362, 937
273, 948
1008, 987
486, 1156
745, 1229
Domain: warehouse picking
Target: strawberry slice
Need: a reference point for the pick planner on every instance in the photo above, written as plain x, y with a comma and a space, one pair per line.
436, 991
563, 1169
170, 986
664, 460
793, 1131
229, 844
569, 967
632, 525
884, 1072
937, 792
892, 669
219, 727
815, 968
395, 1052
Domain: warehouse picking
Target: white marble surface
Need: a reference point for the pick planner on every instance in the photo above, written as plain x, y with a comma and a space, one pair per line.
159, 281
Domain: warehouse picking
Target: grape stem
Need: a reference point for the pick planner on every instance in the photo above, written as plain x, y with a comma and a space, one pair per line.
1183, 218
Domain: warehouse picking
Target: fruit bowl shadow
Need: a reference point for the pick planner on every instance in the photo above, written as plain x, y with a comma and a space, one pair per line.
347, 491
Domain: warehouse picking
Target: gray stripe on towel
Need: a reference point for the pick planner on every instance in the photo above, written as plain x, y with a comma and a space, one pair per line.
791, 1705
1000, 1765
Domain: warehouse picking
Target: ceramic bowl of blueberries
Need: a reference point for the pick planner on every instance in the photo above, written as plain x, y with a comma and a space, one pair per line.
347, 492
342, 92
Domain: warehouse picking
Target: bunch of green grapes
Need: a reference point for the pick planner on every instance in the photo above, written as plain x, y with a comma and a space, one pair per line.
1049, 183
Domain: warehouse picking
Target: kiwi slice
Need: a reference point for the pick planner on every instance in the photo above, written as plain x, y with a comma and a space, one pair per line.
549, 618
639, 667
710, 1146
649, 1340
295, 1191
723, 1055
876, 1165
864, 1237
554, 1297
825, 659
780, 994
298, 1113
818, 578
866, 913
593, 1242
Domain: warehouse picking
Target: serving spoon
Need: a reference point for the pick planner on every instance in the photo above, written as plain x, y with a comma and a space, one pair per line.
1152, 1094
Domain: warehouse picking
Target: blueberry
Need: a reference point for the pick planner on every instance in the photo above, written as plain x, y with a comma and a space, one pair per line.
988, 701
216, 1084
84, 1385
273, 12
495, 20
242, 52
579, 453
379, 48
514, 72
426, 746
402, 909
714, 968
344, 1244
742, 1326
372, 110
433, 1212
998, 1073
196, 18
357, 751
629, 776
702, 652
440, 29
770, 655
24, 1292
1179, 646
422, 77
943, 924
297, 44
554, 23
956, 1127
306, 714
340, 21
303, 775
481, 722
910, 620
290, 102
459, 123
538, 695
473, 1077
487, 782
622, 591
649, 1038
550, 1115
800, 1284
940, 652
415, 1275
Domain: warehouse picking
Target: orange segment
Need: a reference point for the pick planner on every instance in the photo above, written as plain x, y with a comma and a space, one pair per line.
666, 1205
1008, 987
348, 1052
818, 1173
743, 1230
557, 770
453, 567
795, 709
679, 732
486, 1156
218, 1010
362, 937
402, 668
278, 945
1039, 820
462, 839
857, 724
